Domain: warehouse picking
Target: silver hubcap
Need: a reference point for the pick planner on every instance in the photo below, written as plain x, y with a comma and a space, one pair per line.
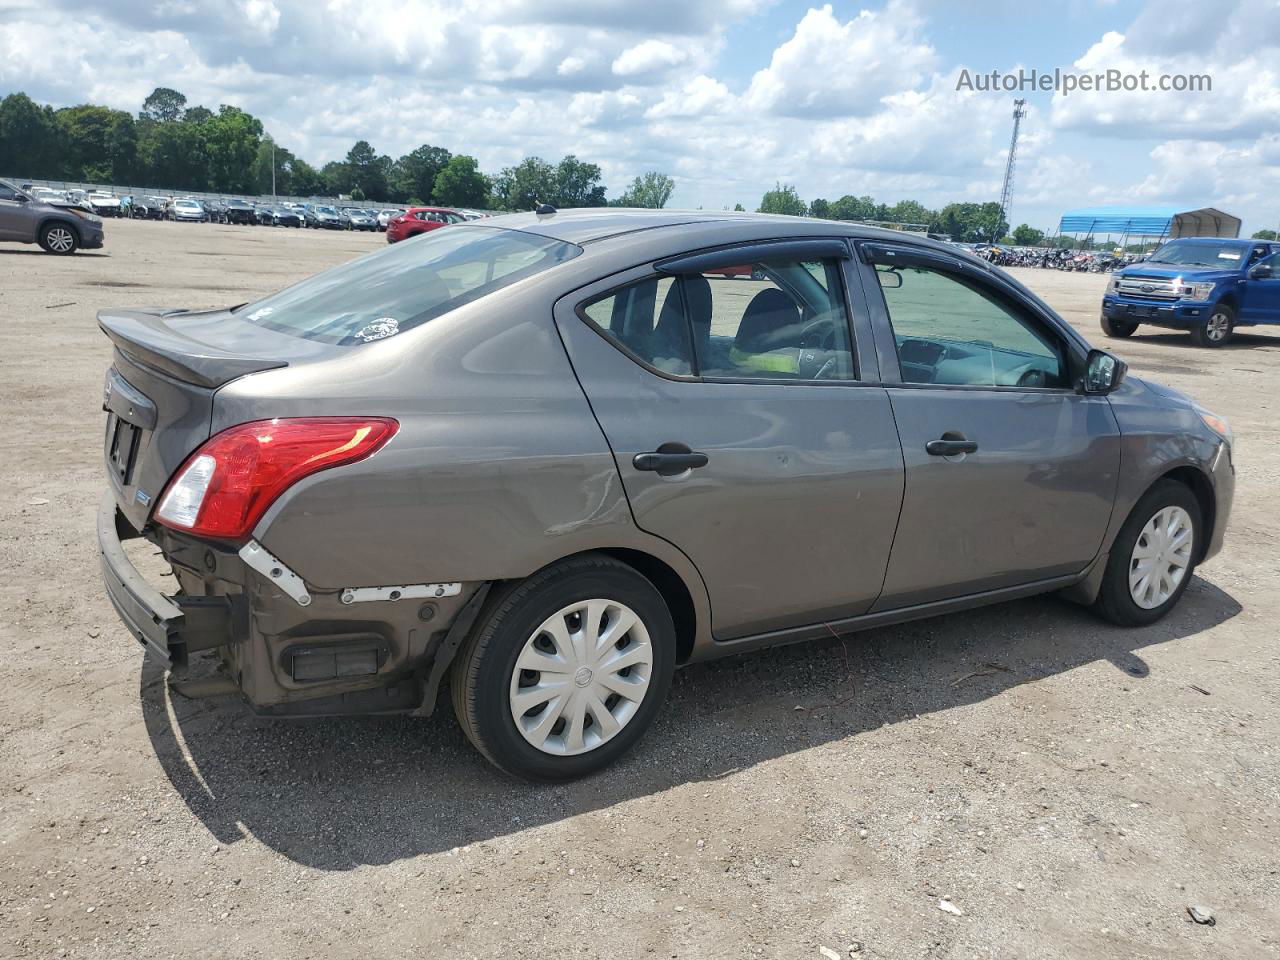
1218, 326
1161, 557
581, 677
60, 239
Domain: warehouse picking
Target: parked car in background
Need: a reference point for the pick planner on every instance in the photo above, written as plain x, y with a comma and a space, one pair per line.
239, 211
1207, 286
279, 217
362, 219
147, 208
619, 460
191, 211
103, 204
57, 229
384, 216
324, 217
418, 220
47, 195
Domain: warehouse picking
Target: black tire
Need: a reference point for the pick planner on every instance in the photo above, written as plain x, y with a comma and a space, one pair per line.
1118, 328
1218, 328
59, 238
1115, 603
482, 672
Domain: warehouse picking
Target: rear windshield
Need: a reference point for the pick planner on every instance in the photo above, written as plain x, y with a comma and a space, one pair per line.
384, 293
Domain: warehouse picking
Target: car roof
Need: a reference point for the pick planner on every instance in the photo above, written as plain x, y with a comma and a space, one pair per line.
590, 224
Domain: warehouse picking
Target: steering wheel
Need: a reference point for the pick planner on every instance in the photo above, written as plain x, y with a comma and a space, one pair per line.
1033, 377
819, 333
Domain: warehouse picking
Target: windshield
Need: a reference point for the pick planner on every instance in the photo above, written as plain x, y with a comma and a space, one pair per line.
385, 293
1184, 253
328, 210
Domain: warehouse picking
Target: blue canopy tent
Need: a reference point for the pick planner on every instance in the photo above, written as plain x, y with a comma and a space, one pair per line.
1164, 222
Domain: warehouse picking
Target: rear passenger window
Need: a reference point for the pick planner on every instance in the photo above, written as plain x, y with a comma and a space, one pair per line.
770, 321
648, 320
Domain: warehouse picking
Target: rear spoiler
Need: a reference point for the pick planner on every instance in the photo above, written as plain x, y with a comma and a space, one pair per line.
145, 337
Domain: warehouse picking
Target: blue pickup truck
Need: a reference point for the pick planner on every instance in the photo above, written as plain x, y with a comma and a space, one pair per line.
1205, 285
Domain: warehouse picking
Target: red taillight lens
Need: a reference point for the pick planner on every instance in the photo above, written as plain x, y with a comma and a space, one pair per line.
225, 486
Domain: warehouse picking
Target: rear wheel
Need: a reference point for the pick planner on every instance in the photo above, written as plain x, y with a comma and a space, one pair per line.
1118, 328
59, 238
1153, 557
566, 670
1218, 328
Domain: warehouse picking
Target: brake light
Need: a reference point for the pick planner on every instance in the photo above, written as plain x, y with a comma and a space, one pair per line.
226, 486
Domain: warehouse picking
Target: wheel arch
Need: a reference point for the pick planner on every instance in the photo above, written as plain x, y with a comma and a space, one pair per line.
1202, 488
59, 218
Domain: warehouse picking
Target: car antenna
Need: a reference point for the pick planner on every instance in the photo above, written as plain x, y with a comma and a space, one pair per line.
545, 210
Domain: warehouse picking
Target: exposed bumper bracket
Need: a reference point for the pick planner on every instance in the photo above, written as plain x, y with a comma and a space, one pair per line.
258, 557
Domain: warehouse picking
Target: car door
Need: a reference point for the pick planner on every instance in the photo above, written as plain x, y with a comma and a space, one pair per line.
747, 428
16, 221
1262, 291
1010, 472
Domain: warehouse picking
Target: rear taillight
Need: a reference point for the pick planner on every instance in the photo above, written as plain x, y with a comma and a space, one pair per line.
225, 487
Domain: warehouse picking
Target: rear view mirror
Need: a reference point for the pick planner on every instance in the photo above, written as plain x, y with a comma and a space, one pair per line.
1261, 272
890, 279
1103, 372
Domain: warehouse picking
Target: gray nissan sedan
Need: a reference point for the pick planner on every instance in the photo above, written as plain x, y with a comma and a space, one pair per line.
542, 460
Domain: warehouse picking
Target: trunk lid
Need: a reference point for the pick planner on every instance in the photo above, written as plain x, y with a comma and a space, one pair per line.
159, 391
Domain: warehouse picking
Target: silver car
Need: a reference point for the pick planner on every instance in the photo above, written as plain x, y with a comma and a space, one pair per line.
544, 459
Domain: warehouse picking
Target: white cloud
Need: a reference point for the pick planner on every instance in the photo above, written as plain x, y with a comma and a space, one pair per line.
832, 69
651, 56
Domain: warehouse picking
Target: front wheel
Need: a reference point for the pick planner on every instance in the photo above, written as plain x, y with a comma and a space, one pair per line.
1118, 328
1217, 329
1153, 557
59, 238
566, 670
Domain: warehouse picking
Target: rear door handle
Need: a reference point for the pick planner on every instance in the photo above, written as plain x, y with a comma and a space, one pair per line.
950, 445
669, 460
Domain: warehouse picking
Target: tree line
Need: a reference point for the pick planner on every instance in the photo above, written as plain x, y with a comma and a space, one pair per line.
171, 145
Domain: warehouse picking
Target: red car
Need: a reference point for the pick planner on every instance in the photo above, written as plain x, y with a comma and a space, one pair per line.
418, 220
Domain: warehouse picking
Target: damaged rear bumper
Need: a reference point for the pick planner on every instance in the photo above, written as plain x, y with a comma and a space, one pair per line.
170, 628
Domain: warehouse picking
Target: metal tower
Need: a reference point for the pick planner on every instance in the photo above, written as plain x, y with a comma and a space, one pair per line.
1006, 193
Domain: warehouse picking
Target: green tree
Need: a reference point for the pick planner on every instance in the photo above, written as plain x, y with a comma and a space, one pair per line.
972, 222
29, 139
231, 139
461, 184
284, 161
652, 191
99, 144
366, 170
1258, 235
850, 207
524, 186
172, 155
414, 174
336, 177
820, 209
783, 200
909, 211
577, 184
357, 193
304, 179
739, 208
1027, 236
164, 105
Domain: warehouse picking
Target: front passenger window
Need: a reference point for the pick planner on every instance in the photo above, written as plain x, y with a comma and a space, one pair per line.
952, 330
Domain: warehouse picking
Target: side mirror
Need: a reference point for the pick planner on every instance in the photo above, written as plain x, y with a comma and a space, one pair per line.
889, 279
1103, 372
1261, 271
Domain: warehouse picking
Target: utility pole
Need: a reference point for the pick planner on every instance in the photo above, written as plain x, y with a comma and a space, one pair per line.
272, 140
1006, 193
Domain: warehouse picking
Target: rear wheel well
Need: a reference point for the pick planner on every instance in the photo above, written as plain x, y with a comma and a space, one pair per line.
673, 590
1199, 485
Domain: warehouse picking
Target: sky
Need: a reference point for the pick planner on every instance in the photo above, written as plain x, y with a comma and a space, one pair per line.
727, 96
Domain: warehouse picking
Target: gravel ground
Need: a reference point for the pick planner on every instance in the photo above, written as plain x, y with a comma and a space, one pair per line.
1069, 788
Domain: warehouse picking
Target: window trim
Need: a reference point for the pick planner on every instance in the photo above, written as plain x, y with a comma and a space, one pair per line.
1073, 347
726, 256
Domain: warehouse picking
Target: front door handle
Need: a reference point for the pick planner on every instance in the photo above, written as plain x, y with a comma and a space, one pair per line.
950, 445
669, 460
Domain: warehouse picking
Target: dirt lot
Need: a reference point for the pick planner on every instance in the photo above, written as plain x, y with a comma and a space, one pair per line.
1070, 787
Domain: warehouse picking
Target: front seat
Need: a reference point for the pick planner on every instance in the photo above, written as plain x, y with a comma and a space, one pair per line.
768, 339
